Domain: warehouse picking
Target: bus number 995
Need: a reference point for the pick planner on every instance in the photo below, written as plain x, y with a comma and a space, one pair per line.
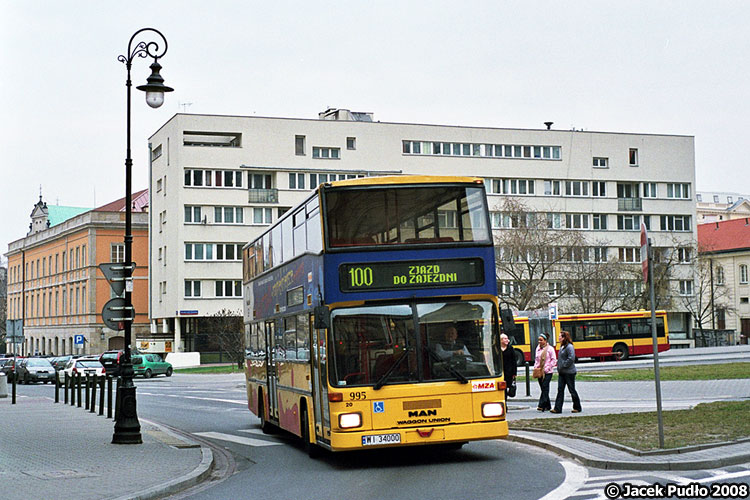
361, 276
357, 395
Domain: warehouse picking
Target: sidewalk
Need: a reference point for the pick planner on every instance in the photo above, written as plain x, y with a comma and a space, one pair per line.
52, 451
599, 398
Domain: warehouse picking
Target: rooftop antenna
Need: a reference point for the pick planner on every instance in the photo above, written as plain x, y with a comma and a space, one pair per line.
185, 105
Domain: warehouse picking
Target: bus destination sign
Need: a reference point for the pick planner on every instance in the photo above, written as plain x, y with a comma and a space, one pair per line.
397, 275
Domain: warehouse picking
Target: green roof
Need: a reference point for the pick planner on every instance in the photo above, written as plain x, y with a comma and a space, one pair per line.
58, 215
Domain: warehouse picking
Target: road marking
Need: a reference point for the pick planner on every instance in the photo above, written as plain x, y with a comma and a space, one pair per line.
252, 431
233, 401
236, 439
575, 478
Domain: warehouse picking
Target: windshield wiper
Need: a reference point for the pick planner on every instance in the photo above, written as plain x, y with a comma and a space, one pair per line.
460, 376
380, 383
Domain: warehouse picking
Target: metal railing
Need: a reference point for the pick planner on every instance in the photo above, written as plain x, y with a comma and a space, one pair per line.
629, 204
263, 195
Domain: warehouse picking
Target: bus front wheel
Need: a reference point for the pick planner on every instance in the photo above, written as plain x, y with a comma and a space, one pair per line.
621, 351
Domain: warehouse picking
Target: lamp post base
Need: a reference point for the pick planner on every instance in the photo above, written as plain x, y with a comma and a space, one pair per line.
127, 427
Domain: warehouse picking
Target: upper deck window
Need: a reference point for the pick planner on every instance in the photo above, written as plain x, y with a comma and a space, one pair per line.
406, 216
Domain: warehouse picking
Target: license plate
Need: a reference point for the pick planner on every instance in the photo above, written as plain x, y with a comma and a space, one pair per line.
377, 439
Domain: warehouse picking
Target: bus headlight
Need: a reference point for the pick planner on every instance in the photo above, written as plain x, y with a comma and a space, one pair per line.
350, 420
492, 410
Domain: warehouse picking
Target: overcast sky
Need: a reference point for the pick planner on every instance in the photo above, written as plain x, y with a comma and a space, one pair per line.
650, 67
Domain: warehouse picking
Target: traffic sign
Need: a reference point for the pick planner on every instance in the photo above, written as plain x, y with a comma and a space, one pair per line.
78, 339
115, 313
117, 273
644, 252
553, 311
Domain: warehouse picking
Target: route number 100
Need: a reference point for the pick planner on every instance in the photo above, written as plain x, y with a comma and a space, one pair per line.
361, 276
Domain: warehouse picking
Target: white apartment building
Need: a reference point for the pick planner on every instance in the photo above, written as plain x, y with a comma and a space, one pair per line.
217, 181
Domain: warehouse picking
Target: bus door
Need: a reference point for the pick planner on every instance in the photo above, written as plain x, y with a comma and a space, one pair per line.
273, 346
319, 378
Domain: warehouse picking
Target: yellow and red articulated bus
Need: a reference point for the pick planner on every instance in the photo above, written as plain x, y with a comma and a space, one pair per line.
617, 335
371, 317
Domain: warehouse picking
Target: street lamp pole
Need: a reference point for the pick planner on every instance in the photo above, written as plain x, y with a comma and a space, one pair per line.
127, 427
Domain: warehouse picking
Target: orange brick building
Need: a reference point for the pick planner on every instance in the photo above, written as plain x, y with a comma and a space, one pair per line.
55, 288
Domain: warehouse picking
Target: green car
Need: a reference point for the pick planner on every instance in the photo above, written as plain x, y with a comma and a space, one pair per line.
149, 365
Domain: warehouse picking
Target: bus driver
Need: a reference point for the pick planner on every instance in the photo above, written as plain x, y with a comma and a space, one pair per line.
451, 346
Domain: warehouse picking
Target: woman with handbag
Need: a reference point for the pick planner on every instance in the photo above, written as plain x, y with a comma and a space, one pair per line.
544, 365
509, 366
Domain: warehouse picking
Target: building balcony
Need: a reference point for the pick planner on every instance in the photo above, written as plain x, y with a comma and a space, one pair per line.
629, 204
263, 195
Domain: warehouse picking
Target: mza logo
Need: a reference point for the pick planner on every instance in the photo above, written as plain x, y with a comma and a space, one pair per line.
422, 413
483, 385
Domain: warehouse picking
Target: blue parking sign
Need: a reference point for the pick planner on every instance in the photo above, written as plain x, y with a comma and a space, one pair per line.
78, 339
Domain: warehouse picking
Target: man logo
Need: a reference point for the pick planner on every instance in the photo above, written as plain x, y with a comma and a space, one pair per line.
423, 413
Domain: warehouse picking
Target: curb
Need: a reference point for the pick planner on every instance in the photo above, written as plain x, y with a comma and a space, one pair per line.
599, 463
197, 475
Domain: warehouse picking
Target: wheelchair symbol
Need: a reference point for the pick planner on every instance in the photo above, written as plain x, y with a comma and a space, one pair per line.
378, 406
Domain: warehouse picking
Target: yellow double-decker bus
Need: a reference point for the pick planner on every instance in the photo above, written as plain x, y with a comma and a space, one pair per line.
371, 317
616, 335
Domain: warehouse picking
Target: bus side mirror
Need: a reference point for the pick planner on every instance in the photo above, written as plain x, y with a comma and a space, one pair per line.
506, 317
322, 317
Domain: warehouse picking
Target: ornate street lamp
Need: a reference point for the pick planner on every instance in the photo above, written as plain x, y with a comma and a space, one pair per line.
127, 427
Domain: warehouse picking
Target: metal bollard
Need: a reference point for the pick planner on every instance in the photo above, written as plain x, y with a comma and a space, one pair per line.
528, 380
86, 391
15, 378
57, 386
65, 387
78, 389
101, 396
94, 382
109, 396
72, 390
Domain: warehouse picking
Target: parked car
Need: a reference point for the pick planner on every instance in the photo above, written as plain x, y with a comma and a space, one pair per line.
59, 362
35, 370
111, 361
84, 366
149, 365
6, 366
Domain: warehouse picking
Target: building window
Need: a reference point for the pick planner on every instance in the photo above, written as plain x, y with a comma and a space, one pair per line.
213, 178
680, 191
229, 215
156, 152
192, 288
351, 143
629, 222
577, 221
675, 222
552, 188
262, 215
629, 254
649, 190
686, 287
117, 252
743, 274
478, 149
576, 188
599, 188
699, 197
600, 162
228, 288
299, 145
719, 275
326, 153
193, 214
554, 221
158, 185
296, 181
633, 157
599, 254
683, 255
212, 139
599, 221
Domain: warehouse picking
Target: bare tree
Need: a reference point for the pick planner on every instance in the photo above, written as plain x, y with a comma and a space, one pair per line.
227, 328
594, 280
636, 294
705, 297
530, 253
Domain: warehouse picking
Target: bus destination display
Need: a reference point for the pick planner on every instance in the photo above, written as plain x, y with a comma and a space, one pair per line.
398, 275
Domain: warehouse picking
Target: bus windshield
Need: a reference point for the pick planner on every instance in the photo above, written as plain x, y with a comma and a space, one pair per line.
406, 215
379, 345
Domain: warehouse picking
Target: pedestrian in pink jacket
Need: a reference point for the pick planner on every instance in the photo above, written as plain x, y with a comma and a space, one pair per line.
546, 360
